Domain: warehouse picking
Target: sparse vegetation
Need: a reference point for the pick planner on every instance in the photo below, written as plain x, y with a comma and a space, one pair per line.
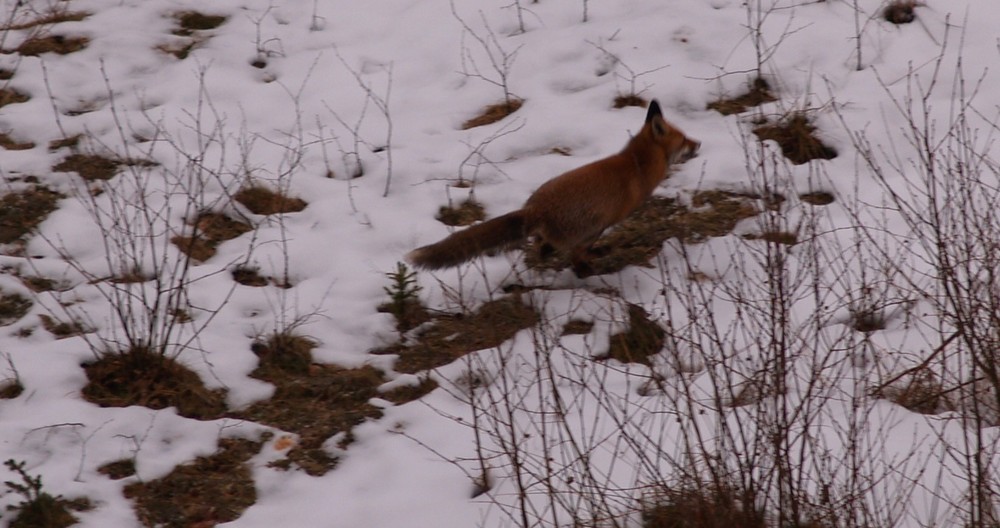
493, 113
794, 135
758, 93
463, 214
404, 303
39, 509
264, 201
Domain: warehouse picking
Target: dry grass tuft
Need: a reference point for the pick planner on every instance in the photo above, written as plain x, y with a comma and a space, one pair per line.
795, 137
643, 339
11, 96
9, 143
54, 15
22, 211
817, 198
59, 44
622, 101
143, 377
249, 276
10, 389
208, 491
191, 21
901, 11
701, 505
90, 167
777, 237
463, 214
450, 336
263, 201
118, 469
493, 113
577, 327
758, 93
13, 306
210, 230
922, 392
62, 329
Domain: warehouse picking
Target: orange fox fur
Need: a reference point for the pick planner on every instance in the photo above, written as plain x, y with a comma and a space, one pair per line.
569, 212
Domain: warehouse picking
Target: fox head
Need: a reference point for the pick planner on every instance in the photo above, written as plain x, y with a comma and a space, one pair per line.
678, 147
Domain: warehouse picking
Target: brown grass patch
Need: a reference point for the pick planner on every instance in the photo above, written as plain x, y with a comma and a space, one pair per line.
11, 96
13, 306
10, 389
208, 491
776, 237
493, 113
921, 393
577, 327
210, 230
451, 336
191, 21
758, 93
630, 100
817, 198
22, 211
901, 11
868, 320
143, 377
9, 143
67, 142
463, 214
118, 469
59, 44
643, 339
313, 400
701, 505
6, 75
640, 237
181, 50
54, 15
795, 137
62, 329
249, 276
263, 201
90, 167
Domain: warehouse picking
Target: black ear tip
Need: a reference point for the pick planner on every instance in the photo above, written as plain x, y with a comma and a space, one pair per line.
654, 110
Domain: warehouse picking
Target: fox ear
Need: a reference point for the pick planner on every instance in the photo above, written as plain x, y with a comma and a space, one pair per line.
658, 127
654, 111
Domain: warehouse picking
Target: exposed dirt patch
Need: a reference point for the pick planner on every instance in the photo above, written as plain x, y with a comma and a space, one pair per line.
143, 377
640, 237
208, 491
189, 22
463, 214
630, 100
901, 11
13, 306
22, 211
59, 44
263, 201
817, 198
180, 50
9, 143
795, 137
493, 113
12, 96
451, 336
54, 15
6, 75
210, 230
643, 339
758, 93
315, 401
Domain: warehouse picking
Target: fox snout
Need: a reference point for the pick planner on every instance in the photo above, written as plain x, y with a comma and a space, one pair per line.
688, 150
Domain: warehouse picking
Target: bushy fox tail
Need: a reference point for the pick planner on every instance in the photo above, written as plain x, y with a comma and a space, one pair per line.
462, 246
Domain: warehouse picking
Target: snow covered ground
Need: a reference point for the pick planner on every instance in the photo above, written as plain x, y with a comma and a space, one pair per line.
283, 92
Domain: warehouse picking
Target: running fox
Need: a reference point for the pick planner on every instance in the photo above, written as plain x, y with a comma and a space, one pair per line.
569, 212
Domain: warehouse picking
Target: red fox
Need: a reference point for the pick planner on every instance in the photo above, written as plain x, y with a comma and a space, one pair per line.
569, 212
